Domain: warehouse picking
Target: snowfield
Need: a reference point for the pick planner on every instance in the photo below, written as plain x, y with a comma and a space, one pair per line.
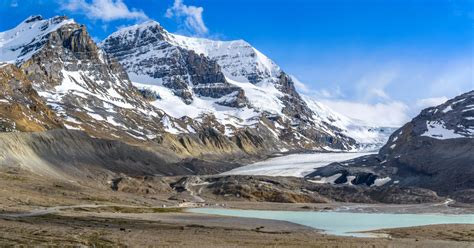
295, 165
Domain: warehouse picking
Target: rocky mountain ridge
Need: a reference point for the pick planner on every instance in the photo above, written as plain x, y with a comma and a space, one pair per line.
87, 90
257, 90
56, 77
435, 151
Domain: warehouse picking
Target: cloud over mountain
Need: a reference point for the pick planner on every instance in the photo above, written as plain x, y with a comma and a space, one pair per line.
105, 10
189, 17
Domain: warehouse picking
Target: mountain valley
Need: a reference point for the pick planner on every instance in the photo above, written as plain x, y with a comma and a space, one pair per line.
151, 122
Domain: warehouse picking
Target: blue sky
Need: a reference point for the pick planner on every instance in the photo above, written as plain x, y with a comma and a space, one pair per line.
362, 58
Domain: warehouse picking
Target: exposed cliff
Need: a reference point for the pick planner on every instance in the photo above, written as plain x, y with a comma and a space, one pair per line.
231, 74
83, 88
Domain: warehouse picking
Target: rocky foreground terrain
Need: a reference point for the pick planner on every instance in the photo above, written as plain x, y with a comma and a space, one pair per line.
125, 229
142, 213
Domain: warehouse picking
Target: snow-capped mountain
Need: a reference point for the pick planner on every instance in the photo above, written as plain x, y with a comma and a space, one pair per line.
244, 88
238, 59
192, 97
435, 150
84, 87
73, 84
20, 43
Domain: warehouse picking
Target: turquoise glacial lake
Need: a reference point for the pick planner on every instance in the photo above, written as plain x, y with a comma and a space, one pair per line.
343, 223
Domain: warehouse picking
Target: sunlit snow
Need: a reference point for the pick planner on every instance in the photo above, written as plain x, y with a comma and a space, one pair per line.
437, 130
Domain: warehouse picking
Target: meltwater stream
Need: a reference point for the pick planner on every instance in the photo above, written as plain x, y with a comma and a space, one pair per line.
343, 223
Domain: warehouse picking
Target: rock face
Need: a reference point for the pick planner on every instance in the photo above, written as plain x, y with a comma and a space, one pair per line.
271, 189
218, 100
200, 76
434, 151
73, 155
87, 89
73, 84
183, 71
21, 108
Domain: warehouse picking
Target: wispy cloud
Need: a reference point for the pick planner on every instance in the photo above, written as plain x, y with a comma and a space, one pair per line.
389, 81
328, 94
300, 86
188, 17
430, 102
14, 4
385, 112
105, 10
391, 114
372, 85
453, 79
320, 93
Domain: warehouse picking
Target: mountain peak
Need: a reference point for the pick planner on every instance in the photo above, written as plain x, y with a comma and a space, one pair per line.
21, 42
38, 18
147, 25
143, 25
33, 18
146, 32
230, 82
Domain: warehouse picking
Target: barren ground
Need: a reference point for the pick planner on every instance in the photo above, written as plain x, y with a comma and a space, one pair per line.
105, 218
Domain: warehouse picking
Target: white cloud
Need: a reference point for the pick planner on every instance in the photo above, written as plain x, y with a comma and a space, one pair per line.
391, 114
96, 39
300, 86
454, 79
380, 93
190, 17
324, 93
372, 84
328, 94
392, 92
14, 4
384, 112
430, 102
105, 10
317, 94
